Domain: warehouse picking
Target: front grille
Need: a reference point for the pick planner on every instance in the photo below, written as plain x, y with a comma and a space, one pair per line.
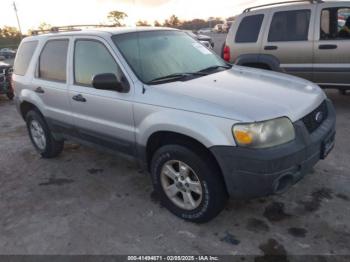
312, 121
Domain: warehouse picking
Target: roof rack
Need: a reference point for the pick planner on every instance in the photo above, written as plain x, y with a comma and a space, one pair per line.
66, 28
281, 3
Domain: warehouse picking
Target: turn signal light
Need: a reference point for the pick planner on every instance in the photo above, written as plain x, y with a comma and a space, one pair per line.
242, 137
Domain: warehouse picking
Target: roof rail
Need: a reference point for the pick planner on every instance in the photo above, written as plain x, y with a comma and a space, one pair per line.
281, 3
66, 28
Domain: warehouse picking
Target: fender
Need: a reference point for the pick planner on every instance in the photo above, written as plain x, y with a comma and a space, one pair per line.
32, 98
269, 60
199, 127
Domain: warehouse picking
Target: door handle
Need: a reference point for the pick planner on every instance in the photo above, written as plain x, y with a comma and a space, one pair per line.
39, 90
270, 47
323, 47
79, 98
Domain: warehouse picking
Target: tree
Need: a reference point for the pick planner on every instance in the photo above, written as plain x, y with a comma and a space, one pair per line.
194, 24
231, 18
44, 26
156, 23
116, 17
173, 21
142, 23
9, 37
9, 32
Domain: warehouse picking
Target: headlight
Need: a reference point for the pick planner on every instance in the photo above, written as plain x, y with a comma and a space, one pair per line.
264, 134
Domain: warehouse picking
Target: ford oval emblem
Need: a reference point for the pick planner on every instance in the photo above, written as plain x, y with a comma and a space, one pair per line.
319, 117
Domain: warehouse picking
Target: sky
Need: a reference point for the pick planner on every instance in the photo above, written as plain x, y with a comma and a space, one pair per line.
65, 12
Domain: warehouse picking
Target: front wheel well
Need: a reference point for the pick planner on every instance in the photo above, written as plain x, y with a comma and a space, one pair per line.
159, 139
25, 107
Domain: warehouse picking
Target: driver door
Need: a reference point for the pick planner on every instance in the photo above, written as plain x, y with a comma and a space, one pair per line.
104, 117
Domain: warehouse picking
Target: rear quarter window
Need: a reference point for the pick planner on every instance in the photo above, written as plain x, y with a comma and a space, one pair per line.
249, 29
24, 56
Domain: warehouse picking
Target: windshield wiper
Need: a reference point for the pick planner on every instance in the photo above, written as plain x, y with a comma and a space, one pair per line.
174, 77
212, 68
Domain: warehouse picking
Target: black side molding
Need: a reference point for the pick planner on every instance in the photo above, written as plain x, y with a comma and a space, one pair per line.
323, 47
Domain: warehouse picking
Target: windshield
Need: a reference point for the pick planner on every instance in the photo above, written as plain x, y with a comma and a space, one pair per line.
158, 54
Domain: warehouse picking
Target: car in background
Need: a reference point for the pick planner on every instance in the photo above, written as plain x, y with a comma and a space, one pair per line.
5, 80
226, 26
204, 39
205, 30
301, 39
218, 28
7, 53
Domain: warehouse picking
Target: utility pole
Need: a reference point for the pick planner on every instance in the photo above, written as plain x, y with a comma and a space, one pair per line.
19, 25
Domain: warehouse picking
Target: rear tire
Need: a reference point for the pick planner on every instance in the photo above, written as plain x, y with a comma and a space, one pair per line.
41, 136
197, 194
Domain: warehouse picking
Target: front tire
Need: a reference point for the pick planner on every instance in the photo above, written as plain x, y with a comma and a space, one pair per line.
188, 184
41, 136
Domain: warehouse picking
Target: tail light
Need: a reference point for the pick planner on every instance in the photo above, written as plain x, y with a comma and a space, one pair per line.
227, 53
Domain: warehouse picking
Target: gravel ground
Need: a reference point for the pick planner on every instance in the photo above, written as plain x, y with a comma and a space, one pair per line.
90, 202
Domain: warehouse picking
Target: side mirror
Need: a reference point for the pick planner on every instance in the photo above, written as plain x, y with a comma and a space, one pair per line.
109, 81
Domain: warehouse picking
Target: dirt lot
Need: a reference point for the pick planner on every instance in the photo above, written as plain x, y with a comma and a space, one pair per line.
88, 202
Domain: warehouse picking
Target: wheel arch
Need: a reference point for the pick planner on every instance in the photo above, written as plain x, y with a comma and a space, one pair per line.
26, 106
260, 61
162, 138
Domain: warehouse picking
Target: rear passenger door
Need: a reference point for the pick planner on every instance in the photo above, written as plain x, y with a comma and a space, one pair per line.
332, 48
50, 80
104, 117
289, 38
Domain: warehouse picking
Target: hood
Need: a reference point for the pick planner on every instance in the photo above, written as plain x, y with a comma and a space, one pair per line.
242, 94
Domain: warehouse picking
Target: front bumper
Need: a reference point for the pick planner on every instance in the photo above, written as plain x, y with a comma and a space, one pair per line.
250, 173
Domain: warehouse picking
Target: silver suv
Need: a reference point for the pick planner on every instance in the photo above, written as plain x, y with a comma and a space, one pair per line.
204, 129
310, 39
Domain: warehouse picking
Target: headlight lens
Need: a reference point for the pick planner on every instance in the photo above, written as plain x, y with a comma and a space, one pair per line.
264, 134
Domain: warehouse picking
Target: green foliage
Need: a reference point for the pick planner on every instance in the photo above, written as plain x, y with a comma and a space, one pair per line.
157, 24
44, 26
173, 21
116, 17
9, 37
142, 23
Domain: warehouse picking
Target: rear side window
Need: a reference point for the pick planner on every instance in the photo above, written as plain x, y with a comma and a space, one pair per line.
290, 26
53, 61
249, 29
24, 56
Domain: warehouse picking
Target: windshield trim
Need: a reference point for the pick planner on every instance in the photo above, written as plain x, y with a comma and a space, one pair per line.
163, 30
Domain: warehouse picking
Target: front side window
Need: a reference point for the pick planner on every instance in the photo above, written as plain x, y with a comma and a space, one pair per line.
249, 29
53, 61
290, 26
335, 24
92, 58
23, 57
156, 54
